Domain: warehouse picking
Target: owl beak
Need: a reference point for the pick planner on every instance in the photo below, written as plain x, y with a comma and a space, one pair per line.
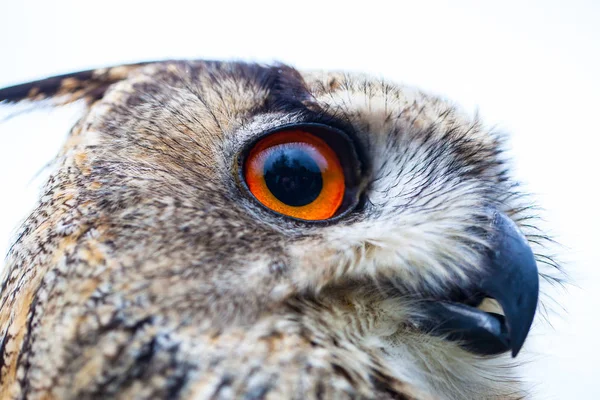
511, 278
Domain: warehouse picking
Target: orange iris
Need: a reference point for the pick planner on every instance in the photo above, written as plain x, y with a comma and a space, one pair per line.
297, 174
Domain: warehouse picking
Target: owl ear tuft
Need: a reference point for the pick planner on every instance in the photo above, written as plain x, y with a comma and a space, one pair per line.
64, 89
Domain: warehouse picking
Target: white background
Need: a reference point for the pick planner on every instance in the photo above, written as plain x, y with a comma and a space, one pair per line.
528, 68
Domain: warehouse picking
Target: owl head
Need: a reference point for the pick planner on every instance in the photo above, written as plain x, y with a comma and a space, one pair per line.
213, 197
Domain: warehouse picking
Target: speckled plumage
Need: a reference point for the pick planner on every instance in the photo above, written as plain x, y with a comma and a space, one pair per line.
147, 272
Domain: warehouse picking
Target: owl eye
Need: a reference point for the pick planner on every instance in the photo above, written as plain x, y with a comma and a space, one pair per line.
298, 174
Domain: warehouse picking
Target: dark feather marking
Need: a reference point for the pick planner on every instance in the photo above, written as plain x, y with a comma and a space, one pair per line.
90, 84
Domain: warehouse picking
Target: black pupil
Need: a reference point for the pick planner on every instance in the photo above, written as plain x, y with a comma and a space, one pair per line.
293, 176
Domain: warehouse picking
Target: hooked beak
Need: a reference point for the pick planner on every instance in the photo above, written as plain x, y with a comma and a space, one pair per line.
511, 278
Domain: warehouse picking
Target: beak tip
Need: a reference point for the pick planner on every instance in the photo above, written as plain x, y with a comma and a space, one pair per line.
516, 349
518, 336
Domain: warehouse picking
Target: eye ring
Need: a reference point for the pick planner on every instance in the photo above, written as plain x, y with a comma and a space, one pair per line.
307, 172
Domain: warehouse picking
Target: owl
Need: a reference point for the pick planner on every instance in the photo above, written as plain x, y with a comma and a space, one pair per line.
230, 230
